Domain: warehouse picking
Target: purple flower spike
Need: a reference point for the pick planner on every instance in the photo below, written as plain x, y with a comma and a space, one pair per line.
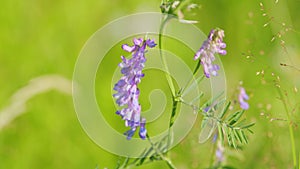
214, 44
127, 87
242, 97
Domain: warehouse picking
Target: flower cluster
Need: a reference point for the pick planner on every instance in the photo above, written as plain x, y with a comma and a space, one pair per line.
127, 87
242, 97
213, 44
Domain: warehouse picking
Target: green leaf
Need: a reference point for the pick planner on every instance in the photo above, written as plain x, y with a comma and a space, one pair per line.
250, 130
227, 135
241, 123
231, 116
247, 126
237, 136
244, 137
239, 115
235, 118
232, 138
221, 134
224, 110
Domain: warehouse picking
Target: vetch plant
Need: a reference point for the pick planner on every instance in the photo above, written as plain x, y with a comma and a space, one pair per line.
229, 126
166, 103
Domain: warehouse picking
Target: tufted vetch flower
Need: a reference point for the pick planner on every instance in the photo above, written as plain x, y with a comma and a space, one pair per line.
212, 45
127, 87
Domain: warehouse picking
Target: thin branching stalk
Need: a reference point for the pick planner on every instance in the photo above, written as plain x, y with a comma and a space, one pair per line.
124, 164
191, 79
292, 137
167, 160
299, 160
165, 19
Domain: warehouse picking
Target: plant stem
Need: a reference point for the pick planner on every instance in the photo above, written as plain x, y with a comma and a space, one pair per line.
299, 160
163, 59
165, 19
191, 79
167, 160
292, 137
124, 164
171, 121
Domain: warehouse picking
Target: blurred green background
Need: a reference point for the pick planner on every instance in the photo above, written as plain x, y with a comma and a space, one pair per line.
45, 37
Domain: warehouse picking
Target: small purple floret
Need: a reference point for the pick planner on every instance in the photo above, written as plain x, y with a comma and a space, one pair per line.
127, 87
214, 44
242, 97
143, 131
220, 153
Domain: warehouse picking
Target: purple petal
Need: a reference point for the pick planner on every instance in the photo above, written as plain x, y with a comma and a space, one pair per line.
242, 97
128, 48
138, 41
206, 109
222, 52
197, 55
244, 105
143, 131
211, 34
222, 45
125, 70
150, 43
130, 133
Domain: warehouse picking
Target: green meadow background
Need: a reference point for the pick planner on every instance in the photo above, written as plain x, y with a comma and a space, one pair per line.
39, 38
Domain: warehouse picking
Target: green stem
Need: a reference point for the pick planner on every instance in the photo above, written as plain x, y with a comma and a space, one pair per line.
191, 79
124, 164
299, 160
164, 62
197, 67
174, 108
194, 107
292, 137
168, 77
171, 122
168, 161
